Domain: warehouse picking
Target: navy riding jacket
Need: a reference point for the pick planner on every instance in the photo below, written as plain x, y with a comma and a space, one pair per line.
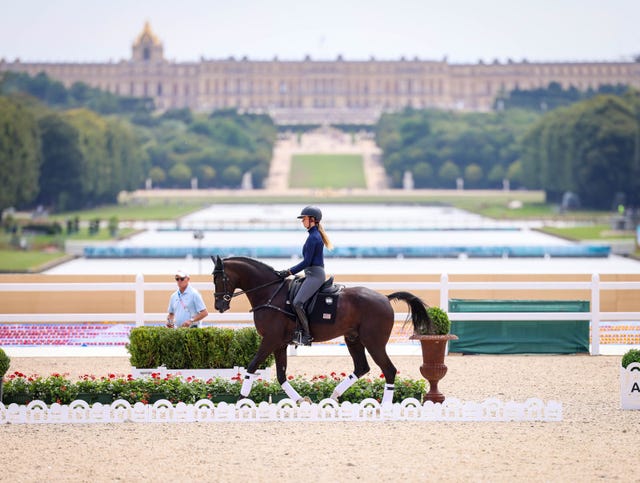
312, 251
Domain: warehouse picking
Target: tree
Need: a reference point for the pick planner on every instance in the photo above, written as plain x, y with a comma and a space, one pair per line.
496, 175
552, 96
232, 176
19, 154
423, 175
588, 148
449, 172
97, 167
61, 174
206, 174
259, 174
157, 175
483, 139
473, 174
185, 115
180, 174
515, 173
128, 159
605, 140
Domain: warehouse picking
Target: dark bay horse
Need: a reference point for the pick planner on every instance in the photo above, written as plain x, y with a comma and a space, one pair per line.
363, 316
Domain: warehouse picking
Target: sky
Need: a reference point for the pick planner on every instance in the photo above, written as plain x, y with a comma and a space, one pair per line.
462, 31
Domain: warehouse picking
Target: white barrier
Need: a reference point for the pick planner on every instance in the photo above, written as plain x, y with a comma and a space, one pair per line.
245, 410
444, 286
630, 386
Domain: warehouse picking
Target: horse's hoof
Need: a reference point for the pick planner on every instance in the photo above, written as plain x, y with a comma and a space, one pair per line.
306, 399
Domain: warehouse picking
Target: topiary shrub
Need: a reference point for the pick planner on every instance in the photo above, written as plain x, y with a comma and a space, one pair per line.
632, 355
4, 363
440, 323
4, 367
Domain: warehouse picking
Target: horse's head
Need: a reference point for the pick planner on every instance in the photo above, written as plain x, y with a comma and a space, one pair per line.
222, 286
246, 274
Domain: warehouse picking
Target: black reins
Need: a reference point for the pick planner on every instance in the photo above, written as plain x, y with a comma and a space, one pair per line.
226, 296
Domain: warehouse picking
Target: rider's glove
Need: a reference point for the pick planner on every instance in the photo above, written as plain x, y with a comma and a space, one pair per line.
283, 273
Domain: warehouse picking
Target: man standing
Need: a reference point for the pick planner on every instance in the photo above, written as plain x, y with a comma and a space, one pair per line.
186, 306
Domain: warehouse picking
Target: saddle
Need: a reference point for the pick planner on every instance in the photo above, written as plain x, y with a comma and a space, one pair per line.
321, 307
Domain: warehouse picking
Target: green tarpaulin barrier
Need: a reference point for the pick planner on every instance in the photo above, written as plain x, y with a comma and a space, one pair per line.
519, 337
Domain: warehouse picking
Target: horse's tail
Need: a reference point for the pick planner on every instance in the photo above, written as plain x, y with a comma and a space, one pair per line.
422, 324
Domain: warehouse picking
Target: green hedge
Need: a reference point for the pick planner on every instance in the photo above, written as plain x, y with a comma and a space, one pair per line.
208, 348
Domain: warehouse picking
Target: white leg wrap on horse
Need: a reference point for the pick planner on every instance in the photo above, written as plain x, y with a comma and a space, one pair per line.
387, 397
344, 385
291, 392
247, 382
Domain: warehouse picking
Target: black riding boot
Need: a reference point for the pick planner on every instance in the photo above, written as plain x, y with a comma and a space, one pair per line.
306, 338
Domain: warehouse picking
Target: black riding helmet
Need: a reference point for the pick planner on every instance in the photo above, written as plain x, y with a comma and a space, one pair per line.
313, 211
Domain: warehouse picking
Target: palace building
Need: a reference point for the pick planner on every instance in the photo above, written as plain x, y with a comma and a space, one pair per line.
336, 91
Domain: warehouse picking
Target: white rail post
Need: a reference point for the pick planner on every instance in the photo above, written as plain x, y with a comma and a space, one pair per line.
444, 300
139, 300
444, 292
595, 314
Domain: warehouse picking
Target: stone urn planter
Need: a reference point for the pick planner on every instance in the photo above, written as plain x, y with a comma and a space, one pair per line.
433, 367
433, 337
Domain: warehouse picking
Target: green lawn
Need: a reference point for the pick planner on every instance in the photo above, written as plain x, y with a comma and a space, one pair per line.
151, 209
42, 249
333, 171
590, 232
24, 261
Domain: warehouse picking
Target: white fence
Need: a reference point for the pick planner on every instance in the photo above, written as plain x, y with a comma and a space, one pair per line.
444, 286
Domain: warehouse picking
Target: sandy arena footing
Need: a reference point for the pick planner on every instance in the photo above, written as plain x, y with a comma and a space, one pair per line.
595, 440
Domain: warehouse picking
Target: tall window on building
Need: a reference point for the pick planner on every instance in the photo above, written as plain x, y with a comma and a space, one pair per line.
146, 53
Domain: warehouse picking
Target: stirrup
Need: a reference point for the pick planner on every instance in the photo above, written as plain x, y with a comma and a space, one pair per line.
304, 339
296, 340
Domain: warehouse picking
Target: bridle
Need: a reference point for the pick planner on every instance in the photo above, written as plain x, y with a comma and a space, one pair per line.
226, 296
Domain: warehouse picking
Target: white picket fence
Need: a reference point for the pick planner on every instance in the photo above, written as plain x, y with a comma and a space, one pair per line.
444, 286
204, 411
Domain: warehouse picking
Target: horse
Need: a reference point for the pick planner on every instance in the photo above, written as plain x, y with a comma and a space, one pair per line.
363, 317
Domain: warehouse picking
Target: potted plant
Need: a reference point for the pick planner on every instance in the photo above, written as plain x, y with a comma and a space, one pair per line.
630, 380
4, 367
220, 389
17, 389
433, 337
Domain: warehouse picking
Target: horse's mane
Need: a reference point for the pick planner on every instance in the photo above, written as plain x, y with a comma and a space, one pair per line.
251, 261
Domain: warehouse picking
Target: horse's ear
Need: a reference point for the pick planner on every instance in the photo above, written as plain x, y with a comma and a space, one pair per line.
218, 262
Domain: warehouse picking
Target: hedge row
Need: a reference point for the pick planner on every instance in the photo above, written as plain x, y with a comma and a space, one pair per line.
208, 348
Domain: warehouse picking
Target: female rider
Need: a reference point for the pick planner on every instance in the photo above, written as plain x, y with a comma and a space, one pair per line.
313, 265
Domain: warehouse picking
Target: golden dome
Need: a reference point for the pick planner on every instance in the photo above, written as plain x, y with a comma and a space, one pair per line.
147, 36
